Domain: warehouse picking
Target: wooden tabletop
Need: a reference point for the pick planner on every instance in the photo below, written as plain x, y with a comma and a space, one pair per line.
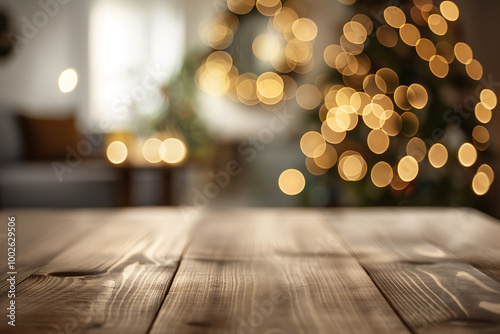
241, 271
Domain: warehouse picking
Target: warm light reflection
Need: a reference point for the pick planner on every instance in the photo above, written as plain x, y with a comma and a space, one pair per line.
308, 96
381, 174
467, 154
437, 24
408, 168
488, 98
68, 80
480, 183
312, 144
304, 29
266, 47
438, 155
416, 148
417, 96
117, 152
394, 16
387, 36
173, 150
410, 34
378, 141
449, 10
291, 182
151, 150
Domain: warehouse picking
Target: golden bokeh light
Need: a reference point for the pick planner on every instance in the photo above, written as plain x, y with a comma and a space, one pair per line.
270, 88
172, 150
308, 96
355, 32
151, 150
298, 51
386, 80
381, 174
370, 85
312, 144
474, 69
331, 136
266, 47
437, 24
416, 148
117, 152
401, 97
246, 89
425, 49
331, 53
352, 166
240, 7
327, 159
488, 98
313, 168
394, 17
439, 66
449, 10
284, 18
480, 134
486, 169
291, 182
365, 21
410, 34
392, 126
438, 155
387, 36
417, 96
467, 154
482, 113
268, 7
305, 29
480, 183
463, 53
378, 141
408, 168
68, 80
410, 124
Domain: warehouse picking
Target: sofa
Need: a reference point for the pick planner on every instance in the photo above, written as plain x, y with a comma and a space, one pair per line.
32, 174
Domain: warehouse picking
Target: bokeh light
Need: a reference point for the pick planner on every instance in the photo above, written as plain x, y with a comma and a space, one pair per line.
467, 154
117, 152
68, 80
172, 150
438, 155
291, 182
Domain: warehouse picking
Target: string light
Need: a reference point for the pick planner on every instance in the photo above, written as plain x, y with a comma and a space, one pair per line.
368, 95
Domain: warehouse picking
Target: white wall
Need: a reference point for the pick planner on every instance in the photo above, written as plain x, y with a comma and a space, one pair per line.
29, 77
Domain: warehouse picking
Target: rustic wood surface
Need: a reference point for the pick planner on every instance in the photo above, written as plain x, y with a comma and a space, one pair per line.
270, 271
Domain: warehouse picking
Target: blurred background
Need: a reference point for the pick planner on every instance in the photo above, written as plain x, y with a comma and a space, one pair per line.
108, 103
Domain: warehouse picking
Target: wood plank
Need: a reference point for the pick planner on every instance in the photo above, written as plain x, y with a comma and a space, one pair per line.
271, 271
110, 281
475, 238
431, 289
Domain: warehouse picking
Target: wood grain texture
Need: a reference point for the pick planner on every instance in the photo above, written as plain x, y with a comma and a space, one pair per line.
471, 236
109, 281
41, 235
431, 289
271, 271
